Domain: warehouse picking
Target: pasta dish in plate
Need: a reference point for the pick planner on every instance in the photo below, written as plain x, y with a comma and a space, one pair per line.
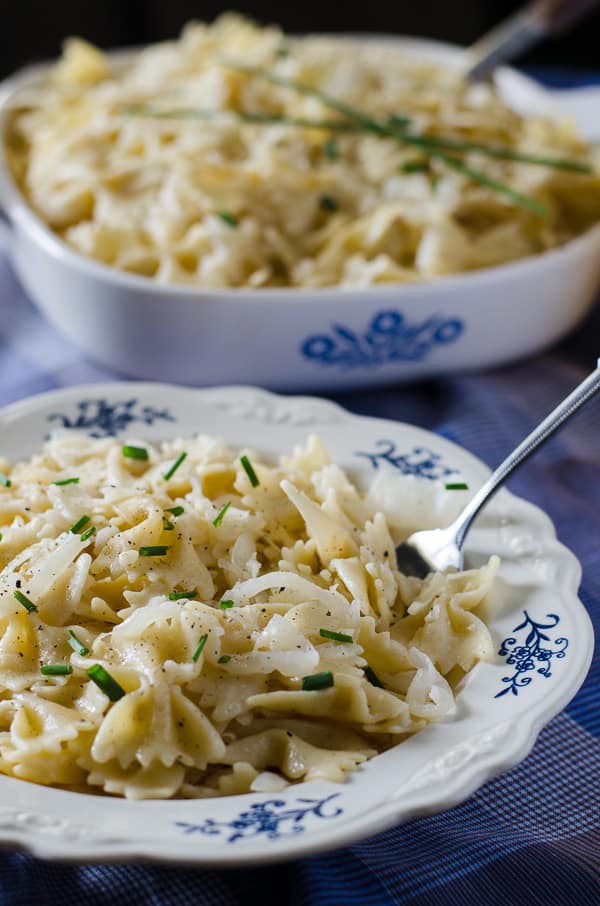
179, 619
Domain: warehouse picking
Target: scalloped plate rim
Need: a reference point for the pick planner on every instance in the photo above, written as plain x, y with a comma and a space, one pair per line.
524, 728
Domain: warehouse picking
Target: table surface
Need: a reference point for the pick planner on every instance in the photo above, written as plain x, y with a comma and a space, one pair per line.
532, 836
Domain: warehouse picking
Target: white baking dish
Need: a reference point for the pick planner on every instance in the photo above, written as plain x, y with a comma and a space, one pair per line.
328, 338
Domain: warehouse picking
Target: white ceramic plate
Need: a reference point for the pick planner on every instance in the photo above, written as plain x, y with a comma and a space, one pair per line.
541, 631
298, 338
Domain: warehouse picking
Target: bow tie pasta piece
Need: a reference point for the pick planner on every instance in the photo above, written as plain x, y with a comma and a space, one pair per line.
154, 782
443, 625
357, 704
295, 758
157, 724
332, 538
43, 741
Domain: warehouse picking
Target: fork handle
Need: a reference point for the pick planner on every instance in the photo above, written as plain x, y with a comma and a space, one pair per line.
556, 15
569, 406
525, 28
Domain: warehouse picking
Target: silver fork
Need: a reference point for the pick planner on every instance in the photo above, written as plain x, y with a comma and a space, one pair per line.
438, 549
536, 21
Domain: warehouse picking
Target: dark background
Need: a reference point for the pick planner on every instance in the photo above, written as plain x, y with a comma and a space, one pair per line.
33, 29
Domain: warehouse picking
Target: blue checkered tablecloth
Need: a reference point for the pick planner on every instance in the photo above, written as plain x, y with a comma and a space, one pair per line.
529, 837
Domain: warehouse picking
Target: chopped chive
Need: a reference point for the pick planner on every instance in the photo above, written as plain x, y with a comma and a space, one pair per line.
226, 605
415, 166
217, 522
228, 218
332, 152
336, 636
79, 525
175, 466
65, 481
24, 600
88, 533
372, 677
77, 645
457, 486
135, 452
1, 536
328, 203
56, 669
167, 524
201, 645
224, 659
176, 510
317, 681
248, 469
5, 480
105, 682
153, 550
282, 52
179, 595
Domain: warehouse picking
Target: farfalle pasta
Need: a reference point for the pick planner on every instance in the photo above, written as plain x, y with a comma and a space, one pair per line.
176, 166
186, 620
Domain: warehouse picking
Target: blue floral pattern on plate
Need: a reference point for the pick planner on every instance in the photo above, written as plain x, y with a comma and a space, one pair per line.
421, 461
389, 337
531, 655
100, 418
273, 819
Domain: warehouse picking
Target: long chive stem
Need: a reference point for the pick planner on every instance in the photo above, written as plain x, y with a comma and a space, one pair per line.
450, 144
310, 91
525, 201
427, 142
257, 119
393, 131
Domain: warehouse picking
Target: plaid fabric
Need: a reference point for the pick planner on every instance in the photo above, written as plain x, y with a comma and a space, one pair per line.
530, 837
